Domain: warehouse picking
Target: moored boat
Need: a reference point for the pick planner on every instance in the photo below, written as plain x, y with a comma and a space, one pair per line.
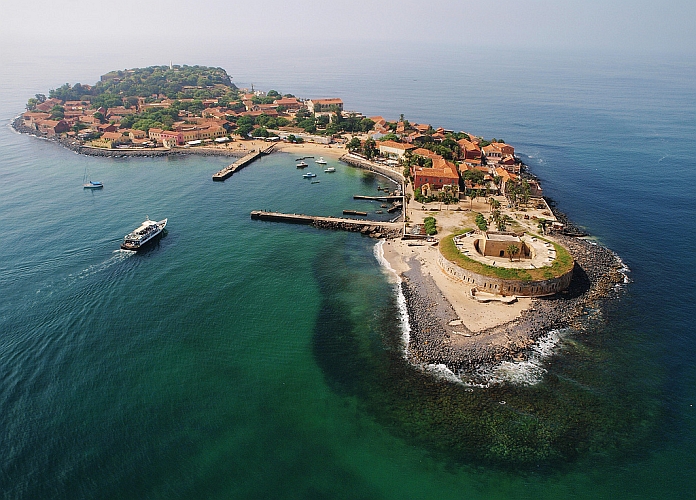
302, 164
309, 175
329, 170
90, 184
144, 234
321, 161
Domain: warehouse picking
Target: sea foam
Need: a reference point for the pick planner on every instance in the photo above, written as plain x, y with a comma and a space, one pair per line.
528, 372
400, 298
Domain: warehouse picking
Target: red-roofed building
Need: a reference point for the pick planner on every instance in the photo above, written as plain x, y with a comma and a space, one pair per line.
324, 105
290, 103
443, 173
496, 151
52, 127
106, 127
469, 150
31, 118
393, 149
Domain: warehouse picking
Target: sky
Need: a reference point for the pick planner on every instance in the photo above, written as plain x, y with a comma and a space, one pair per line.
176, 26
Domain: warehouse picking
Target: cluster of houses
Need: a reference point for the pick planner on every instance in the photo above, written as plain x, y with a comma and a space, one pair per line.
102, 127
494, 160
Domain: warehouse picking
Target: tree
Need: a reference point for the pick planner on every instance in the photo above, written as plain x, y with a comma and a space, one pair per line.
475, 175
244, 129
260, 132
354, 144
57, 112
512, 250
391, 136
481, 222
430, 226
369, 148
472, 196
542, 225
495, 216
526, 192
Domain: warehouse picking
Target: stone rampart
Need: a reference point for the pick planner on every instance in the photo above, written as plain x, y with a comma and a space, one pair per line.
492, 284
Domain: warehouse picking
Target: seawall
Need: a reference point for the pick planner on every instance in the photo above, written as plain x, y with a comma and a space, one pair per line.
535, 288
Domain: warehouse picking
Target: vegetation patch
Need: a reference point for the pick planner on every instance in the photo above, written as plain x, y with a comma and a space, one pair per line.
430, 226
560, 266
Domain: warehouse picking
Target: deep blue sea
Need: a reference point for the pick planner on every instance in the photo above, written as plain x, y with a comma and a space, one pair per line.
242, 359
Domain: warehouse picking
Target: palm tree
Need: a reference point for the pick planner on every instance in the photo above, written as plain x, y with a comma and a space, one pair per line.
495, 215
512, 250
472, 196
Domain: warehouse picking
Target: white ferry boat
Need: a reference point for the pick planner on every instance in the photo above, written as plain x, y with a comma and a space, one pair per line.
147, 232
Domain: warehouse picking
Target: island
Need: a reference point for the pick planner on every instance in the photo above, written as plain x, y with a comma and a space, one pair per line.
486, 264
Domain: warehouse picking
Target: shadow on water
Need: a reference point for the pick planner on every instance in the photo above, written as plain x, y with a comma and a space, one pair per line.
577, 414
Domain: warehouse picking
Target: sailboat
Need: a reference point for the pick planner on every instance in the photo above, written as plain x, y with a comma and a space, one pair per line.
90, 184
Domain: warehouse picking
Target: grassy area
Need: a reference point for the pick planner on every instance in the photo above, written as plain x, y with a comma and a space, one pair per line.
561, 265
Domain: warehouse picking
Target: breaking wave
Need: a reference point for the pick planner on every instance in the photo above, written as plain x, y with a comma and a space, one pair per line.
400, 298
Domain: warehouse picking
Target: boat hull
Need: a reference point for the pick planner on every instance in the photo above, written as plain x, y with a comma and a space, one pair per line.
136, 245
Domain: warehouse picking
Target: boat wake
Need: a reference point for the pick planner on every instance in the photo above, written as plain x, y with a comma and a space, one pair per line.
117, 257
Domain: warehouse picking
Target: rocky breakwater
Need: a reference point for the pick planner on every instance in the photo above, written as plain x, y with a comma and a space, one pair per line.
373, 231
437, 336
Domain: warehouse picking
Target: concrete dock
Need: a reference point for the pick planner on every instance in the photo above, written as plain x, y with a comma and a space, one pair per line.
377, 198
369, 227
240, 164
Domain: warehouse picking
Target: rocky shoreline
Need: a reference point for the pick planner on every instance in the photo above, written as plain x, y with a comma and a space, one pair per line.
438, 338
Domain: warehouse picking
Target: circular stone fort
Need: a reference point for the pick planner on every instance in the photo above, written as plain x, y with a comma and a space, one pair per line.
506, 264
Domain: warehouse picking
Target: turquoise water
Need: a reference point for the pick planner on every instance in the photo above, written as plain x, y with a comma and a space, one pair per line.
242, 359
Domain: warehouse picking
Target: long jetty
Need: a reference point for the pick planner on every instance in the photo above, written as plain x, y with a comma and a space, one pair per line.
372, 228
378, 198
241, 163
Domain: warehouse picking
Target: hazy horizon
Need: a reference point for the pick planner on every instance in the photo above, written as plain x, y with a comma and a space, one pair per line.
183, 29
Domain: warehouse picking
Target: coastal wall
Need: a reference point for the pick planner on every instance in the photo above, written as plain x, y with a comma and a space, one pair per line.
500, 286
356, 161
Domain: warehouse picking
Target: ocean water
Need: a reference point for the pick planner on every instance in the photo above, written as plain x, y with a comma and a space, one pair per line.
242, 359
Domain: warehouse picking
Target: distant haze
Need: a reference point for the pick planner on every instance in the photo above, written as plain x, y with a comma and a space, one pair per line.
208, 26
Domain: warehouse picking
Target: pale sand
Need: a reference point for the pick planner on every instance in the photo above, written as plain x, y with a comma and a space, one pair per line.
312, 149
476, 316
305, 149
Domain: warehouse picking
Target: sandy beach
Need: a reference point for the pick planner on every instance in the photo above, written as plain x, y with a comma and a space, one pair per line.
448, 326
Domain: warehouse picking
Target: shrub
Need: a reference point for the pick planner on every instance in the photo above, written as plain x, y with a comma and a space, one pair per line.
430, 226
